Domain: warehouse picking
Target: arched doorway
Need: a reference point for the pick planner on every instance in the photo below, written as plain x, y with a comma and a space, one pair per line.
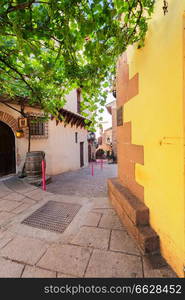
100, 153
7, 150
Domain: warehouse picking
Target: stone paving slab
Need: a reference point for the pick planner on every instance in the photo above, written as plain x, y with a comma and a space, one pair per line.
29, 201
14, 197
5, 217
92, 219
1, 231
92, 237
121, 241
34, 272
4, 193
55, 254
111, 222
61, 275
35, 233
72, 199
3, 187
81, 183
104, 211
17, 185
4, 190
101, 203
5, 238
36, 194
67, 259
23, 249
21, 208
6, 205
39, 195
107, 264
10, 269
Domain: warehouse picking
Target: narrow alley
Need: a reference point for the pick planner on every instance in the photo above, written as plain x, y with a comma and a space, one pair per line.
92, 244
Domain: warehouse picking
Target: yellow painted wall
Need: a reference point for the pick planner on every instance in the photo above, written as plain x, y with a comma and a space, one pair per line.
157, 115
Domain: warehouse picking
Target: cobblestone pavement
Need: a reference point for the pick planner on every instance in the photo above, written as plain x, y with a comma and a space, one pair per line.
82, 183
95, 244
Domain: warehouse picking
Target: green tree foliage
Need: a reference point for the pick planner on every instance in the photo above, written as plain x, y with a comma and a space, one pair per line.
49, 47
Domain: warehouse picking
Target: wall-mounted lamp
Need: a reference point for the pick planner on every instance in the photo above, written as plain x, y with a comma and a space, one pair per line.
165, 7
91, 136
19, 133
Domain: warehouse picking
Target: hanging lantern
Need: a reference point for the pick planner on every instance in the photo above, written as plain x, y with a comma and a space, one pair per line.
19, 133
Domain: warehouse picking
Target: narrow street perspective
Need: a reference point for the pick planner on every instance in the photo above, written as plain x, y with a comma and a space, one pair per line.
94, 242
92, 145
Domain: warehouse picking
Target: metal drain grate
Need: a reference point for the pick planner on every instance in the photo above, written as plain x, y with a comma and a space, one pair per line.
53, 216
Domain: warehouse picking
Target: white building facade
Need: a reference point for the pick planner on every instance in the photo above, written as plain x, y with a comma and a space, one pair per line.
65, 144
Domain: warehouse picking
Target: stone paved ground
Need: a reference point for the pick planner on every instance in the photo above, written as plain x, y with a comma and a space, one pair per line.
95, 244
82, 183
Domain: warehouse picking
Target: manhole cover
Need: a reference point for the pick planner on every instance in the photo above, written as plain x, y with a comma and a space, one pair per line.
53, 216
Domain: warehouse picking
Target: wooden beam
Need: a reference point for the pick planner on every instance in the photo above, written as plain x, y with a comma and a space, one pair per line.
74, 121
78, 123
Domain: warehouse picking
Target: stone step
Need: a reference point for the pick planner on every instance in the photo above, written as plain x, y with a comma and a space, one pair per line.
135, 217
138, 212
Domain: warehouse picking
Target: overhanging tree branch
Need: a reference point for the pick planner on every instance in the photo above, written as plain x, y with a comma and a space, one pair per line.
46, 46
16, 71
20, 6
8, 105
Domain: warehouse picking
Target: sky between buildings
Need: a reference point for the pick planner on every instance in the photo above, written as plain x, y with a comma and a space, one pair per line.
107, 118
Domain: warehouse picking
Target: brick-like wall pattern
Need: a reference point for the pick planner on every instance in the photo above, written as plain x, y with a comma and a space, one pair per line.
128, 154
8, 119
114, 131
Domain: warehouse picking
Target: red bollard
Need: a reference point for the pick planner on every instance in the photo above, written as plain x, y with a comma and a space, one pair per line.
92, 169
43, 175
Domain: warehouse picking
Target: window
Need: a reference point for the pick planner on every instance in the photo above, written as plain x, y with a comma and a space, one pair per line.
78, 91
37, 126
76, 137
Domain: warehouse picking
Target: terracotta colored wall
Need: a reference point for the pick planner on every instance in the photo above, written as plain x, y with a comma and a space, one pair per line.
114, 128
128, 153
151, 142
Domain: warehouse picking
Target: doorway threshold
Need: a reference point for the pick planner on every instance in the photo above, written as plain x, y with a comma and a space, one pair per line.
5, 177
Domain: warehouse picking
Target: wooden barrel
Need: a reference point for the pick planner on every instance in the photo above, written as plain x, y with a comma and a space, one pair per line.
33, 164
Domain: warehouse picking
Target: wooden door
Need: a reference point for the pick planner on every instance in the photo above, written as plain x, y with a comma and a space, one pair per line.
81, 154
89, 153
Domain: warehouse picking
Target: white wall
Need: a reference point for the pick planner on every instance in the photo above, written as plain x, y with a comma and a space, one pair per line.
71, 101
62, 153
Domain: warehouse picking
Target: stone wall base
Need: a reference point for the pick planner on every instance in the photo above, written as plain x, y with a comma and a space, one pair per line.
135, 217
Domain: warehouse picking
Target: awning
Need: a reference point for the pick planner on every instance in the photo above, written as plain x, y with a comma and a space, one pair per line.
74, 119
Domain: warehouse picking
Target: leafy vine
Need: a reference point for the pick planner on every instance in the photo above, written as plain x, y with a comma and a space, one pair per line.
49, 47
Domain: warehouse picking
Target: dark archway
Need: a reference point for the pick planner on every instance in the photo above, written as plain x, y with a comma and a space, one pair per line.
100, 153
7, 150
